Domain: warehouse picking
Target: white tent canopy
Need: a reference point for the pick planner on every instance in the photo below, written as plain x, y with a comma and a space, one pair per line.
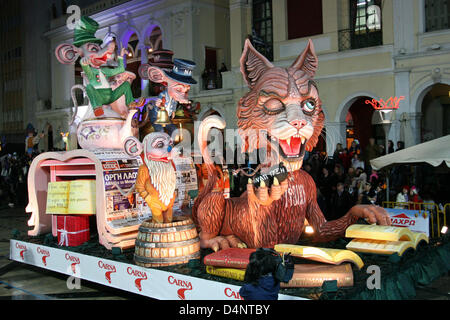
433, 152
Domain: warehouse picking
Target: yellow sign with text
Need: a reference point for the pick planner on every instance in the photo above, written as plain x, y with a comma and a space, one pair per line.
71, 197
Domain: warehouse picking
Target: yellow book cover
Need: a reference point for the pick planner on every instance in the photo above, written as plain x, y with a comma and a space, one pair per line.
376, 232
236, 274
71, 197
419, 237
326, 255
387, 247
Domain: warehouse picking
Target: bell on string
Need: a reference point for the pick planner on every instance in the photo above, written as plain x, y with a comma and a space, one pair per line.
162, 117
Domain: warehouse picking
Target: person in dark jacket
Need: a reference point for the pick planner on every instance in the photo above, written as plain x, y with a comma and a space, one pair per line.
259, 277
340, 202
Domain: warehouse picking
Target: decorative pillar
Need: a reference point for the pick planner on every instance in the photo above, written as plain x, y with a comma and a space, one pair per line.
415, 119
402, 89
144, 83
240, 28
279, 20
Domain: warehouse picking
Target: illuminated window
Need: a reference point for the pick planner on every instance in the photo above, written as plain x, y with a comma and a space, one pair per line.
367, 16
437, 13
365, 22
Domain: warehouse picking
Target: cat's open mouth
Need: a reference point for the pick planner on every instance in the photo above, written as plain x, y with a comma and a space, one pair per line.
293, 148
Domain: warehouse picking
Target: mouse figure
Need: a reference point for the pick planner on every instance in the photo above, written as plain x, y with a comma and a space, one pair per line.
156, 178
178, 82
101, 67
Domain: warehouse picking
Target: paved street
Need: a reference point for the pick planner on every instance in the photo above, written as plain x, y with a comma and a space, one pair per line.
20, 281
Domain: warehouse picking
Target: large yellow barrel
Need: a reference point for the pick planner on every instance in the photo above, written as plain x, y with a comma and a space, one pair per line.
166, 244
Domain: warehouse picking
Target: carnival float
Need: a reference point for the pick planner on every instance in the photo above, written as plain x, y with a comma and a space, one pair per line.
129, 209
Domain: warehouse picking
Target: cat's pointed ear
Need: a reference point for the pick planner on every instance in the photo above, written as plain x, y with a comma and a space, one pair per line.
253, 64
307, 60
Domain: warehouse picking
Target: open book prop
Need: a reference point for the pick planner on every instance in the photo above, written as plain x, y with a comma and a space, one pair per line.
325, 255
383, 239
71, 197
305, 275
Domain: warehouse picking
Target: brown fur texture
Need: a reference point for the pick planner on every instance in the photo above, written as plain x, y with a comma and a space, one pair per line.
284, 103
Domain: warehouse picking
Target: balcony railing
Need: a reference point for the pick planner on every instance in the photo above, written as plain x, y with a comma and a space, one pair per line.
349, 40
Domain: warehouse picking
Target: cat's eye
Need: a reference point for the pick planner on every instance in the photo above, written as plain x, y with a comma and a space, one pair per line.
309, 105
273, 106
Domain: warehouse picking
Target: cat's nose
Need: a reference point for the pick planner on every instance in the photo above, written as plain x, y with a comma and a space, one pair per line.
298, 123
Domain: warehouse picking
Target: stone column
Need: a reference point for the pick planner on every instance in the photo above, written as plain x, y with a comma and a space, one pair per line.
415, 119
402, 89
144, 83
279, 20
240, 27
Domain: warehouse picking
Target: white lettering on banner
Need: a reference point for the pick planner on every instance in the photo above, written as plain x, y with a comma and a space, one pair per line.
185, 286
230, 293
110, 165
118, 176
109, 269
140, 275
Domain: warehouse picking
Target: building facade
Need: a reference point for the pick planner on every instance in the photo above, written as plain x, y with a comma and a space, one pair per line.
24, 65
367, 49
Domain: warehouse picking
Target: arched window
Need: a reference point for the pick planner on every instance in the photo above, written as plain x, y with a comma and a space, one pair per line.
133, 62
154, 44
154, 41
436, 112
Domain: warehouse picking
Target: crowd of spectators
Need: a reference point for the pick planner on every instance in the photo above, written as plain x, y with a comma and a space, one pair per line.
13, 178
342, 181
14, 169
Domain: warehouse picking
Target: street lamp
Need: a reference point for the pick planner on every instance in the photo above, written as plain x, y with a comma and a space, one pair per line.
384, 116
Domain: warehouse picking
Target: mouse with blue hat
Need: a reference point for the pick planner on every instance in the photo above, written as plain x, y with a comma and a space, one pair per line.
178, 82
